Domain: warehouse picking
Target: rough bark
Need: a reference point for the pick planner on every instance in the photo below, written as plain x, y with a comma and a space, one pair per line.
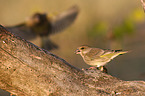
26, 69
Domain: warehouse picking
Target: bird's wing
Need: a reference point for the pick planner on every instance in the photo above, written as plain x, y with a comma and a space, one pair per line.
22, 31
95, 53
64, 19
110, 54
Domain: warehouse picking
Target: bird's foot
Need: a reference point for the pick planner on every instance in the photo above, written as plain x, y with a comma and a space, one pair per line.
92, 68
102, 68
49, 46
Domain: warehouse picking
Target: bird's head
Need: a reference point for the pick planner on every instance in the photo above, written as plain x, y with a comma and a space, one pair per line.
36, 20
82, 50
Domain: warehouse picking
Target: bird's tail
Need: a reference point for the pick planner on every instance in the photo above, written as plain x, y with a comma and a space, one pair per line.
123, 52
112, 55
119, 53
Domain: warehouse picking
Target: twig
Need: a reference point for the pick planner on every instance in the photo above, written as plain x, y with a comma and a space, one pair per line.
143, 4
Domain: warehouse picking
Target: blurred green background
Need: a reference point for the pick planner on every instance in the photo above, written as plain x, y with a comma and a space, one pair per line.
107, 24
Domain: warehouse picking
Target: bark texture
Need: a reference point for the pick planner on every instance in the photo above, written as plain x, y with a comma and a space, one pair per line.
26, 69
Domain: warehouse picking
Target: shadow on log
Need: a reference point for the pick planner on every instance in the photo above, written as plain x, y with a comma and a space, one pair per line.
26, 69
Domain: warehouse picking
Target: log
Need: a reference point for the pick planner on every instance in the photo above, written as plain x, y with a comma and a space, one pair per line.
27, 70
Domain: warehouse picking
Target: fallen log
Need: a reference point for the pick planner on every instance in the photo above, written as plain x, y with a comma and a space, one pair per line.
26, 69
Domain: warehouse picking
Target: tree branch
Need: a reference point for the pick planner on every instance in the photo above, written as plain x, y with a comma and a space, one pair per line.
143, 4
26, 69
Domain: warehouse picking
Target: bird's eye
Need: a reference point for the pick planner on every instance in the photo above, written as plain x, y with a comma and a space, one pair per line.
82, 48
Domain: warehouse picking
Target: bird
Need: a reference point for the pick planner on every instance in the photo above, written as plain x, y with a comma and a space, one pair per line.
42, 25
97, 57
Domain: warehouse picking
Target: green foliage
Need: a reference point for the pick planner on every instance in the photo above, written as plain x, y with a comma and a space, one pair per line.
125, 28
99, 29
118, 31
137, 16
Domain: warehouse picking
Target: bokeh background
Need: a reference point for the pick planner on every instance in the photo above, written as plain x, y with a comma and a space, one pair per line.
107, 24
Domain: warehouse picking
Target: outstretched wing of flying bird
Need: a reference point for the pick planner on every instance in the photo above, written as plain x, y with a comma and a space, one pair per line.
40, 24
64, 19
22, 30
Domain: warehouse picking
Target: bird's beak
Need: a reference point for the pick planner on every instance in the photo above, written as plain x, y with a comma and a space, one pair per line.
77, 51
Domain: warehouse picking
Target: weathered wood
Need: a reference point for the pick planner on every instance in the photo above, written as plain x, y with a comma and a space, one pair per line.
26, 69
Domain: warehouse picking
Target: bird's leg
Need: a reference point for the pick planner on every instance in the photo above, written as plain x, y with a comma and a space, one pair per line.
47, 44
103, 69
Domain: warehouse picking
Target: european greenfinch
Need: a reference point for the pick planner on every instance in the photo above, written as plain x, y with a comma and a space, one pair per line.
97, 57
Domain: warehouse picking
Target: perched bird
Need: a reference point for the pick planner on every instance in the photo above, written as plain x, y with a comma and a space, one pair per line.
43, 25
97, 57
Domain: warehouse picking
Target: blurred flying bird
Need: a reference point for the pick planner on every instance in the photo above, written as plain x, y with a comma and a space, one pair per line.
97, 57
44, 26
